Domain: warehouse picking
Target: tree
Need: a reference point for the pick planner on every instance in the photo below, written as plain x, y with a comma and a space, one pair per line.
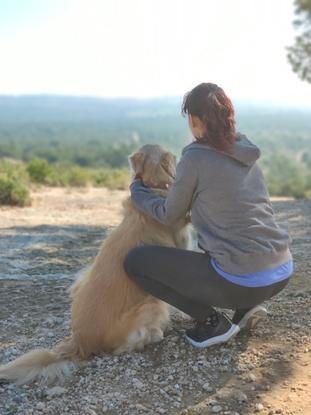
299, 55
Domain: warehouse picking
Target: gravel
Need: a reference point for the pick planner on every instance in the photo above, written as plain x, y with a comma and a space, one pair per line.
170, 377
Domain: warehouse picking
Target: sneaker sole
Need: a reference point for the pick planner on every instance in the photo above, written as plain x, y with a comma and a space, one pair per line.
218, 339
253, 317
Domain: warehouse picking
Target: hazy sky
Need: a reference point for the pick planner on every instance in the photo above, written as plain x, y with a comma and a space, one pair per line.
149, 48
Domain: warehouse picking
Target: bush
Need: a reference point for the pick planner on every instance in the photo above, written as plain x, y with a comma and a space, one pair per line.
13, 169
39, 170
285, 177
111, 178
13, 193
77, 177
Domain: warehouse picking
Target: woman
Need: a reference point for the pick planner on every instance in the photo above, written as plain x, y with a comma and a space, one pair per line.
246, 258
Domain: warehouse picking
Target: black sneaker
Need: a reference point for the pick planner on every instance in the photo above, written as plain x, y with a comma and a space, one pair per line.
216, 329
249, 318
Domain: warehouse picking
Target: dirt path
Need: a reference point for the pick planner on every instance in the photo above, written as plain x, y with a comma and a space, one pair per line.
43, 248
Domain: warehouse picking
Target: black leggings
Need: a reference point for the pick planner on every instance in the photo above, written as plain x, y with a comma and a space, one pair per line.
187, 280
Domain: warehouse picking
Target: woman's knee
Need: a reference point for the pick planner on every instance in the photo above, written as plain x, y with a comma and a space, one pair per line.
132, 261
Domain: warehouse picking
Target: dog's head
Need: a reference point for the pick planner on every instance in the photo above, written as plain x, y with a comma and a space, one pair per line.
155, 166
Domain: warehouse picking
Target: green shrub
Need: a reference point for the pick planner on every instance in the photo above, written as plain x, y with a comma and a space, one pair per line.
57, 176
39, 170
111, 178
285, 177
14, 170
13, 193
77, 177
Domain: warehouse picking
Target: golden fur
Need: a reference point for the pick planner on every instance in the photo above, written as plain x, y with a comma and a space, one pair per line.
109, 311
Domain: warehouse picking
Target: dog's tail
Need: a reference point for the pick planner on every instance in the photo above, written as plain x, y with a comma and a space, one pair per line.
43, 364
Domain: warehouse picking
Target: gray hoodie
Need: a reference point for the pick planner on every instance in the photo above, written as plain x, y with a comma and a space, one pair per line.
229, 205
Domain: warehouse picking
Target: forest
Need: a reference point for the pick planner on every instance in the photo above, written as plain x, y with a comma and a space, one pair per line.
59, 140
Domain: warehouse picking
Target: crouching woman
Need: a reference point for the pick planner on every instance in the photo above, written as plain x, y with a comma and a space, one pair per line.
245, 257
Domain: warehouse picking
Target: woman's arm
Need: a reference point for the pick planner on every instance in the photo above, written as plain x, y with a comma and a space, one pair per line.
175, 206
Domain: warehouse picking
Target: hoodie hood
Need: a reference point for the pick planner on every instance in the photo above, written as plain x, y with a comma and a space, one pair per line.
243, 151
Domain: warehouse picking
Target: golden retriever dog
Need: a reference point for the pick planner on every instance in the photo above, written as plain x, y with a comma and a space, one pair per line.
109, 312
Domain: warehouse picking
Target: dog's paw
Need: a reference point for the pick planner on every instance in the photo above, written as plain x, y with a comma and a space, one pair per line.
156, 335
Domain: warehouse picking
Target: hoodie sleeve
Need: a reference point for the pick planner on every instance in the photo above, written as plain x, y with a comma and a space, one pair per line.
174, 207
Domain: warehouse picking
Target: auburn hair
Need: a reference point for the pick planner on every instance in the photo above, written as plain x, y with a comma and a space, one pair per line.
213, 107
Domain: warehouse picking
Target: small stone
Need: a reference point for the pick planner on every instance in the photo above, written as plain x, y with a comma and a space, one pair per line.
40, 406
252, 377
56, 391
241, 397
216, 409
259, 407
140, 407
207, 387
138, 384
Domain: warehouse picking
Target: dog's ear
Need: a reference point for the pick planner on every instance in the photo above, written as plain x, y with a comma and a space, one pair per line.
137, 161
168, 158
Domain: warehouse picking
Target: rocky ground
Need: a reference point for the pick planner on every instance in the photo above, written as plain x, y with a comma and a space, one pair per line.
44, 247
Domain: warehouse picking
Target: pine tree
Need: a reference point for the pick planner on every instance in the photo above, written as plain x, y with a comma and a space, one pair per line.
299, 55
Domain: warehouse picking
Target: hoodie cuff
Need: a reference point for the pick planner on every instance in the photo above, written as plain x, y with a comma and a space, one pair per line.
137, 186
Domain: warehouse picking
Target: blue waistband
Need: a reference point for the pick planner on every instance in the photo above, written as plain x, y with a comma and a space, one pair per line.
257, 279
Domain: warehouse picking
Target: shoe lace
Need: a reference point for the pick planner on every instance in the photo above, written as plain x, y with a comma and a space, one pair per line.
211, 320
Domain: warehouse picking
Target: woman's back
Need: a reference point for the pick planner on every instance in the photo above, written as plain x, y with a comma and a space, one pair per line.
230, 207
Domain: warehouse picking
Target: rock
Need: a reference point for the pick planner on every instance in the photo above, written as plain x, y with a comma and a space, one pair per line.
241, 396
259, 407
140, 407
216, 409
207, 387
138, 384
252, 377
40, 406
55, 391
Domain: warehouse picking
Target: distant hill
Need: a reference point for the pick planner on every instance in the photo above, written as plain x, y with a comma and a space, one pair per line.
39, 124
95, 132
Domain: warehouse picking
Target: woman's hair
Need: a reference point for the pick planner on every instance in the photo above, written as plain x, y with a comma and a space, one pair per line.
209, 102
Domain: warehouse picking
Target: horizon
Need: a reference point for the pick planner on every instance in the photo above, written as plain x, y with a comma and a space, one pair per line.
237, 102
148, 49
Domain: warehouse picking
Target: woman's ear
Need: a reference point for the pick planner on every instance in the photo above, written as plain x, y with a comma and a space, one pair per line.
137, 161
197, 126
195, 121
190, 121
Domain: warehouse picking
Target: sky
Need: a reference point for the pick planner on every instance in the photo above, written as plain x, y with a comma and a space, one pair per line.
146, 48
